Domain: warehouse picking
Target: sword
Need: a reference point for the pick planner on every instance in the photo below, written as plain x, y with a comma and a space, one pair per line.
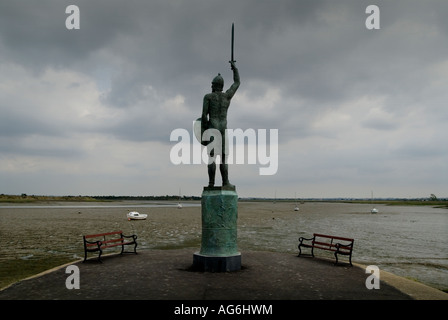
233, 40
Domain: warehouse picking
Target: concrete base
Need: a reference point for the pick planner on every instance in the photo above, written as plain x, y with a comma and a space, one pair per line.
207, 263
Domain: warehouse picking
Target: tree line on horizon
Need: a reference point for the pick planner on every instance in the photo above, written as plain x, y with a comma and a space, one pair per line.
25, 197
432, 199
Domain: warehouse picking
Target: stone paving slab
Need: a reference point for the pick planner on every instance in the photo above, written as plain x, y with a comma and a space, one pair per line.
168, 275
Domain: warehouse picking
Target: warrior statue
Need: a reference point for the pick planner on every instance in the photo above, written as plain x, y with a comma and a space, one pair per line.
214, 116
219, 206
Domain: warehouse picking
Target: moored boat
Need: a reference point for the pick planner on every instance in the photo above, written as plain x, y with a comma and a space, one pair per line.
134, 215
374, 210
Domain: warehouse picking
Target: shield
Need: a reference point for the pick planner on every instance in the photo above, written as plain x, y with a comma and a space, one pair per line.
198, 131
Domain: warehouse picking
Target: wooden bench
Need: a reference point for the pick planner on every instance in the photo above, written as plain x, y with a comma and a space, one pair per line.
326, 242
114, 239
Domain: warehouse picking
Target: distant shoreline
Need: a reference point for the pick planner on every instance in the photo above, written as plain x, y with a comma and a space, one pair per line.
39, 198
443, 203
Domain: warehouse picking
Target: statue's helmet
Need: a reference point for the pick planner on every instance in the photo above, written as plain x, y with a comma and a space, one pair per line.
218, 82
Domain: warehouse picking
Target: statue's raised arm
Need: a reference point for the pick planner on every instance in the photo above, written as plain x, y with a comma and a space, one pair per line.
236, 80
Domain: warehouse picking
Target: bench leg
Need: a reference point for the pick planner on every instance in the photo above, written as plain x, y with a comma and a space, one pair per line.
135, 247
99, 256
336, 255
300, 251
349, 259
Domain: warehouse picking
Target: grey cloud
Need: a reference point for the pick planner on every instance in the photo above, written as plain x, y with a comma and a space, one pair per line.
317, 56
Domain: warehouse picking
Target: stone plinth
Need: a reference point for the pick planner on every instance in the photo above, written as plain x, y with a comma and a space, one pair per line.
219, 251
216, 263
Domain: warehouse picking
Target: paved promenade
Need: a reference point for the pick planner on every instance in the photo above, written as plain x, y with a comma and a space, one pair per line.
167, 275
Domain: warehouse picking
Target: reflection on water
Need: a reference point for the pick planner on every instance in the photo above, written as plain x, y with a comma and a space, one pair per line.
410, 241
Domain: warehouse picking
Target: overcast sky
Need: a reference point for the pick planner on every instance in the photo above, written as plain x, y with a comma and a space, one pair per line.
90, 111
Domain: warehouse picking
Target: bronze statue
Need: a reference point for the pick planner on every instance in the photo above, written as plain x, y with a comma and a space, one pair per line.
219, 205
214, 116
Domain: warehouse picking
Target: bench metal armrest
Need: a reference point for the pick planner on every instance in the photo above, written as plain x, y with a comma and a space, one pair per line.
308, 239
98, 242
344, 246
131, 236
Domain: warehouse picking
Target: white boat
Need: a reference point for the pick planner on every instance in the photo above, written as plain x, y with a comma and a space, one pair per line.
179, 205
296, 208
134, 215
374, 210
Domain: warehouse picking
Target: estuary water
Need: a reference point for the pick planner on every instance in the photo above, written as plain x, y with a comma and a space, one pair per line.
410, 241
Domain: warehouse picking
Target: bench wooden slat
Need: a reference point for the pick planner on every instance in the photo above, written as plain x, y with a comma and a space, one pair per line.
102, 234
117, 244
91, 244
104, 242
324, 244
332, 237
113, 240
324, 248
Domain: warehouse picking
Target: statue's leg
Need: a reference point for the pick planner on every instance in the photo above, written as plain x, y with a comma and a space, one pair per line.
223, 167
211, 174
224, 174
211, 167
